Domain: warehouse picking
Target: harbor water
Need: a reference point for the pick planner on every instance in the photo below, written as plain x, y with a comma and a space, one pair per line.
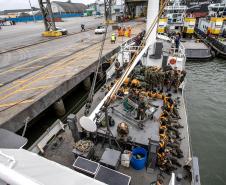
206, 104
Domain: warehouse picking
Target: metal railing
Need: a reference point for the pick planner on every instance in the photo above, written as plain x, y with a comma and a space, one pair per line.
132, 48
178, 52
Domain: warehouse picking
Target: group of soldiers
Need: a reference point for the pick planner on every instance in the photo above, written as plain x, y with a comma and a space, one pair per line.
153, 82
149, 82
154, 78
169, 145
157, 78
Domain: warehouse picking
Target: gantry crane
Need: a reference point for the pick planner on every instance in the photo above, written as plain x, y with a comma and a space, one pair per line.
48, 19
108, 10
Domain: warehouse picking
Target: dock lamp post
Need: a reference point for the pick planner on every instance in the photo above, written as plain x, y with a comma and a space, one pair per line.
32, 11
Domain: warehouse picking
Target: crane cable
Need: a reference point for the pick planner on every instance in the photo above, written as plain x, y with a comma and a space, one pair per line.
91, 93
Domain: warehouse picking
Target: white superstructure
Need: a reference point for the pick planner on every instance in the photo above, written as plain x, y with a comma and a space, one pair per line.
21, 167
215, 22
217, 9
176, 13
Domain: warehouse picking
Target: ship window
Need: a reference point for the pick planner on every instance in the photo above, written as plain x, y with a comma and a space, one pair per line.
218, 23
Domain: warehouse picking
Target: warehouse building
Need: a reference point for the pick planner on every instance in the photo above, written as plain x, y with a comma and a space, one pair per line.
68, 7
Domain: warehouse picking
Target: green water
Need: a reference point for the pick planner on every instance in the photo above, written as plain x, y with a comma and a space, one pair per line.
206, 103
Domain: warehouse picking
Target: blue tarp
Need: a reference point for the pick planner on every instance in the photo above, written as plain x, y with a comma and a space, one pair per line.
39, 17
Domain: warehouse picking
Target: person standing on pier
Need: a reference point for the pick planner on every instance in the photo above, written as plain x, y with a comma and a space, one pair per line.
113, 38
82, 27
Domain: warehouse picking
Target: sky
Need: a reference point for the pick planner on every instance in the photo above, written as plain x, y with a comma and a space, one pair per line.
19, 4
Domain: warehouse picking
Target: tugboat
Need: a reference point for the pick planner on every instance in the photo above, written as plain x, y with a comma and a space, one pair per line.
176, 20
172, 21
212, 29
134, 132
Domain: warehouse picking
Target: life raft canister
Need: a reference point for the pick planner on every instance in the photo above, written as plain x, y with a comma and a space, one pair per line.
173, 61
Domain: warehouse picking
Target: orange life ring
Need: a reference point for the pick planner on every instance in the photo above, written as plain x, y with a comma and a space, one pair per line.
173, 61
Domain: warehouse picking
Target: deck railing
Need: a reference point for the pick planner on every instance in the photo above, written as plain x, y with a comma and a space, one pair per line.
178, 52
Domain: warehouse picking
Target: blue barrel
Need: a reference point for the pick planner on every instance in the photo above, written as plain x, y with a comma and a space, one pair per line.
139, 157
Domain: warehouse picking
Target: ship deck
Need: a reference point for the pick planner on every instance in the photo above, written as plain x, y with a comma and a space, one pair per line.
60, 148
62, 153
196, 50
192, 44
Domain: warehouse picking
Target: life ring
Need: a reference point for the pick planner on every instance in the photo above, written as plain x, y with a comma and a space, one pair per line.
173, 61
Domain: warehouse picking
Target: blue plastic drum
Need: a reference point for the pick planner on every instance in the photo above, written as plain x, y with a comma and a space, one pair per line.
139, 157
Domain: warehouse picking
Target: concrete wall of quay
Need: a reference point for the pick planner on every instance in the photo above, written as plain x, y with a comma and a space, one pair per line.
18, 121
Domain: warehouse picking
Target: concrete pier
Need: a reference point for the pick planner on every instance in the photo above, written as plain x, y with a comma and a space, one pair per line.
31, 94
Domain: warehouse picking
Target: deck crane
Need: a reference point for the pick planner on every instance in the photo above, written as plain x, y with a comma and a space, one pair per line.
48, 19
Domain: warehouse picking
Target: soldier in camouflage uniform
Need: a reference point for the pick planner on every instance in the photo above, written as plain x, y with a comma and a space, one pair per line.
176, 79
154, 79
141, 109
118, 69
182, 76
148, 78
161, 78
168, 79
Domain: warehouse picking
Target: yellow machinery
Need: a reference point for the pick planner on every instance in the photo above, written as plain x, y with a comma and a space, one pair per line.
189, 25
215, 25
109, 21
162, 25
51, 33
48, 19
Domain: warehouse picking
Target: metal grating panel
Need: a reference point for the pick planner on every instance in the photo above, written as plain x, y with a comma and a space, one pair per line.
86, 165
112, 177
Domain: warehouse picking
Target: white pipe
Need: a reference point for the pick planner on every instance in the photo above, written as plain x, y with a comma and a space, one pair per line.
152, 13
14, 178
